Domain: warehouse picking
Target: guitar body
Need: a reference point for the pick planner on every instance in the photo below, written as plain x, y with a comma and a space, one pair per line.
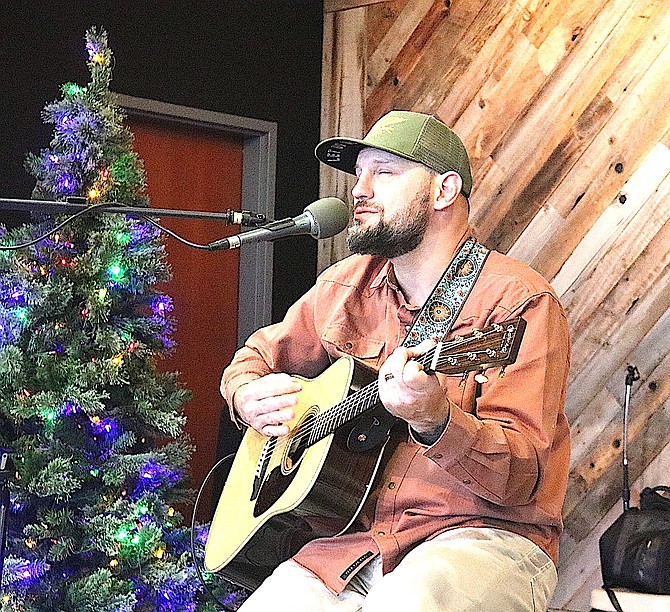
282, 493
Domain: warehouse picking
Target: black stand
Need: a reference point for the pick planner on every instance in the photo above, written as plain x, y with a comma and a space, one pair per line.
6, 473
77, 204
631, 376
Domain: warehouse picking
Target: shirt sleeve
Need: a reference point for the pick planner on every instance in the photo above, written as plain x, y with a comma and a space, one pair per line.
292, 346
499, 445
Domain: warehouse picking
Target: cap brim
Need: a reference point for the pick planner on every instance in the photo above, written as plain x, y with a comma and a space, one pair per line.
342, 153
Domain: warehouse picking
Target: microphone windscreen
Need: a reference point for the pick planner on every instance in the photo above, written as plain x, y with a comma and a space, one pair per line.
331, 216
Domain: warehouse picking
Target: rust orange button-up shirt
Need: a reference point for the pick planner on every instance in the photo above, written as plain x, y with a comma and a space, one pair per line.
503, 458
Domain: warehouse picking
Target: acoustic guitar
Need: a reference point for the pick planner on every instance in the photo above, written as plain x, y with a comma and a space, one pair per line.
282, 492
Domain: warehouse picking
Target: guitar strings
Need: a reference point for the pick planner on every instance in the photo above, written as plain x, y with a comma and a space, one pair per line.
349, 408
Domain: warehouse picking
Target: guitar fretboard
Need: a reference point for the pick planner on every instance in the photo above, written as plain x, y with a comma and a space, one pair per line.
480, 350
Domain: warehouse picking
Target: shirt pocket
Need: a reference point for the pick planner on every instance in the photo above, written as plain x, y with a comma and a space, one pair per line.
340, 341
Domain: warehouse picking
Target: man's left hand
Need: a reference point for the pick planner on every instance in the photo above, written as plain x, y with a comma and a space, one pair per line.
411, 394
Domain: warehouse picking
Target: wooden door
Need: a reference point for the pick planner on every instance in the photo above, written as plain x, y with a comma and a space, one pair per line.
197, 168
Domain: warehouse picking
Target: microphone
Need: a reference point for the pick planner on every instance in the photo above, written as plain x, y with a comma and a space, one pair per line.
321, 219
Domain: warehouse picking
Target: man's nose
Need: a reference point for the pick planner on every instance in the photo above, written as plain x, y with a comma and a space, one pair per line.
362, 190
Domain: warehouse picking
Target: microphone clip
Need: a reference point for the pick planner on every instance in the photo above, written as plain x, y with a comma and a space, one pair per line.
245, 218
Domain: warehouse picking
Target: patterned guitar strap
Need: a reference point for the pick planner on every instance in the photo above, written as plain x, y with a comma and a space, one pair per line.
448, 297
434, 321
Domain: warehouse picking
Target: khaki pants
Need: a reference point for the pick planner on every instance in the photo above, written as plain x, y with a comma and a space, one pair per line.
467, 569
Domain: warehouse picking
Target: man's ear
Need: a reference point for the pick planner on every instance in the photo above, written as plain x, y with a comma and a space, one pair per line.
449, 187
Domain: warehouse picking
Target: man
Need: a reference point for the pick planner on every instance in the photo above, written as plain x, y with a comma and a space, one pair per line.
467, 512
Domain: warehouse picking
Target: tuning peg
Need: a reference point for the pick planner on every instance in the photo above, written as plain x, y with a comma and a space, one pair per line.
501, 374
481, 378
477, 333
464, 379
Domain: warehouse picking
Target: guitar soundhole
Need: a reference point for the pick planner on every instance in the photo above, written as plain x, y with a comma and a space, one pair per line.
299, 442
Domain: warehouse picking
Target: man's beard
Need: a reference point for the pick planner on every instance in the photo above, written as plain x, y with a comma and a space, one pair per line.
393, 239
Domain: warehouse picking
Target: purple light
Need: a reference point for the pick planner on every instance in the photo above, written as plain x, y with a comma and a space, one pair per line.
66, 183
141, 232
108, 428
93, 48
153, 476
24, 572
175, 596
161, 305
17, 297
70, 408
64, 122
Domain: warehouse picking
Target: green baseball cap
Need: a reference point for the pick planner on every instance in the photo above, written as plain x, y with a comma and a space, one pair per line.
421, 138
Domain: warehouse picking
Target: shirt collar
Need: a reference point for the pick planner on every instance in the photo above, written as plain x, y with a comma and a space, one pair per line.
385, 275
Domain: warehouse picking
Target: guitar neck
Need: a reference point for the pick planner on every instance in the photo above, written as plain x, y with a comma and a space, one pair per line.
355, 405
495, 346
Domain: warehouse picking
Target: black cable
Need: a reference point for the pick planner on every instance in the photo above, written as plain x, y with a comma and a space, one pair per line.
173, 234
195, 509
70, 219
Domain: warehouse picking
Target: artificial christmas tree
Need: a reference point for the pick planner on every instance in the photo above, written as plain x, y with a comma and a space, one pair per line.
101, 456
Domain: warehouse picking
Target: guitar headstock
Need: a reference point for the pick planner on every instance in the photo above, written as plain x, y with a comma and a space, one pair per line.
494, 346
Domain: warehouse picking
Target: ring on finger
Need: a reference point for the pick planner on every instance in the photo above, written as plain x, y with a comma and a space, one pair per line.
388, 376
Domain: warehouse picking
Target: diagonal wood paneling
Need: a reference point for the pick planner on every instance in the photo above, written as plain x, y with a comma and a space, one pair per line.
564, 109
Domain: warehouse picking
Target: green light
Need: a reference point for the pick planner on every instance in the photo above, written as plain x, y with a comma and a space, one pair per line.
22, 314
115, 271
135, 539
122, 238
50, 415
73, 89
122, 534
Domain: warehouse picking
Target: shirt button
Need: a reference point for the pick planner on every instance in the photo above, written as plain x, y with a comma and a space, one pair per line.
391, 485
437, 455
466, 481
348, 345
381, 533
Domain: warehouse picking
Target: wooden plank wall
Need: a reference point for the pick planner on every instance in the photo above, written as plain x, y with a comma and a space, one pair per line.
565, 109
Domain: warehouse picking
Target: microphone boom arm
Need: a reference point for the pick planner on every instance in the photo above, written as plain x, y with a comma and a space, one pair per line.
76, 205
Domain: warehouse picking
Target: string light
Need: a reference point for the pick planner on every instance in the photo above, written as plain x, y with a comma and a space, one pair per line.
123, 238
115, 271
122, 534
50, 415
72, 89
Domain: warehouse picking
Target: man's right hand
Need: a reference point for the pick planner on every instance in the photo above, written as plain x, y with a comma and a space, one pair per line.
265, 404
